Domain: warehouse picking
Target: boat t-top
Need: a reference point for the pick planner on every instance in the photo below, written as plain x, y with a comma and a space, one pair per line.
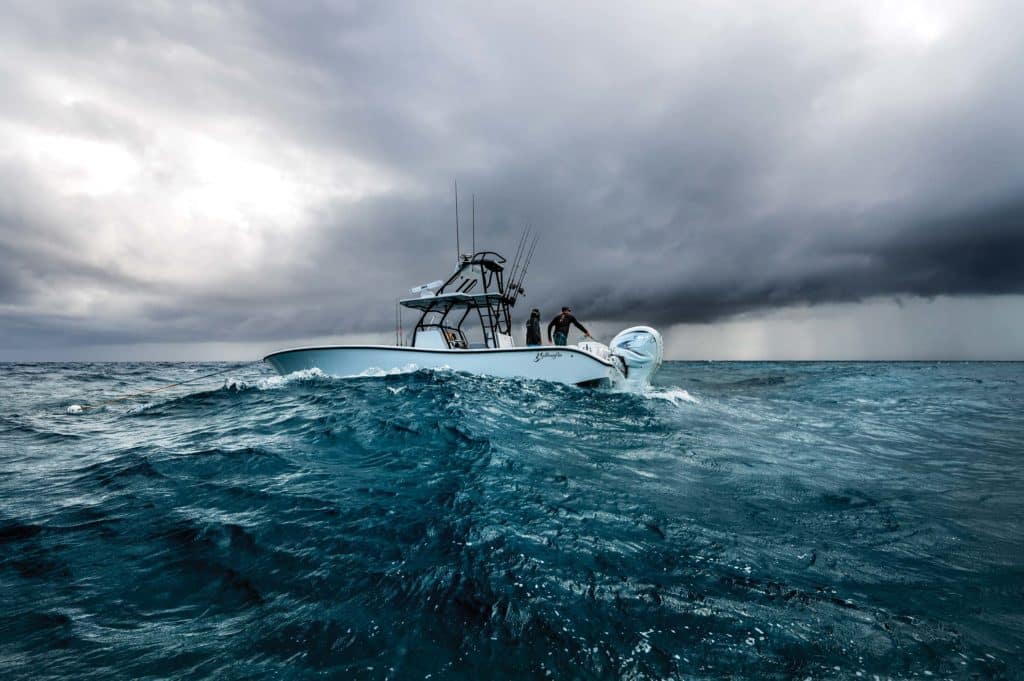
465, 324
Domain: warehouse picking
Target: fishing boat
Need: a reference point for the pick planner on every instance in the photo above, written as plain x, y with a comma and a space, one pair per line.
465, 324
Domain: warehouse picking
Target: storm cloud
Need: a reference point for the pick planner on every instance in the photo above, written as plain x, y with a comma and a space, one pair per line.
227, 172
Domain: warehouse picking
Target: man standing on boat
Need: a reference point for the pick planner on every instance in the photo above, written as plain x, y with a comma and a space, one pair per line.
533, 328
561, 325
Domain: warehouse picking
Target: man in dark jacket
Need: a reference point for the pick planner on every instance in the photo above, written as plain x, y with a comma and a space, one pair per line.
561, 325
534, 328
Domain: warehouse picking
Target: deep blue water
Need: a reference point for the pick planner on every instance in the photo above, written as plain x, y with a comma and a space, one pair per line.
765, 520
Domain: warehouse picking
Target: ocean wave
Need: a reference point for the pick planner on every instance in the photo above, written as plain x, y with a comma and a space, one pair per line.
670, 394
721, 523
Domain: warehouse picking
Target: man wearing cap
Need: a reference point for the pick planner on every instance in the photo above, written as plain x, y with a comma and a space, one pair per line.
561, 325
533, 328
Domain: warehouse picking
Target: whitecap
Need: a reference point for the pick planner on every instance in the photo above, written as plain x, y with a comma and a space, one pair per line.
671, 394
138, 409
275, 382
374, 372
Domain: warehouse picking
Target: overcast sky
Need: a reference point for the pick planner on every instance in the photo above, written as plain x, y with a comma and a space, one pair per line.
777, 179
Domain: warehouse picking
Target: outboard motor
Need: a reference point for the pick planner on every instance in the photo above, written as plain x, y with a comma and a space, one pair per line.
641, 350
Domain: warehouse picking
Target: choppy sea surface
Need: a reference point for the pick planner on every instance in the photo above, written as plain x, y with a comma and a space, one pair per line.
738, 520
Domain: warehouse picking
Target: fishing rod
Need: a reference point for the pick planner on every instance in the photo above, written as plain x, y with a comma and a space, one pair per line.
519, 250
526, 267
515, 258
518, 285
515, 263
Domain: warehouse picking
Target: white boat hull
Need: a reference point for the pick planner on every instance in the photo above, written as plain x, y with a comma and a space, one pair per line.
562, 364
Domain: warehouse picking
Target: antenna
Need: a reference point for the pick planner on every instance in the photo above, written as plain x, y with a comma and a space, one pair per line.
474, 224
458, 249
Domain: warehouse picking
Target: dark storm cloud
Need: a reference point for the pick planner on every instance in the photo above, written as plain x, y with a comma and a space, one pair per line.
683, 164
978, 253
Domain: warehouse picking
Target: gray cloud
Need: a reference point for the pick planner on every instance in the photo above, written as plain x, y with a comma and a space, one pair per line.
214, 173
977, 253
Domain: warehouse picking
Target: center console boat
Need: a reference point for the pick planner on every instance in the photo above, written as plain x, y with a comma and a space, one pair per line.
465, 324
